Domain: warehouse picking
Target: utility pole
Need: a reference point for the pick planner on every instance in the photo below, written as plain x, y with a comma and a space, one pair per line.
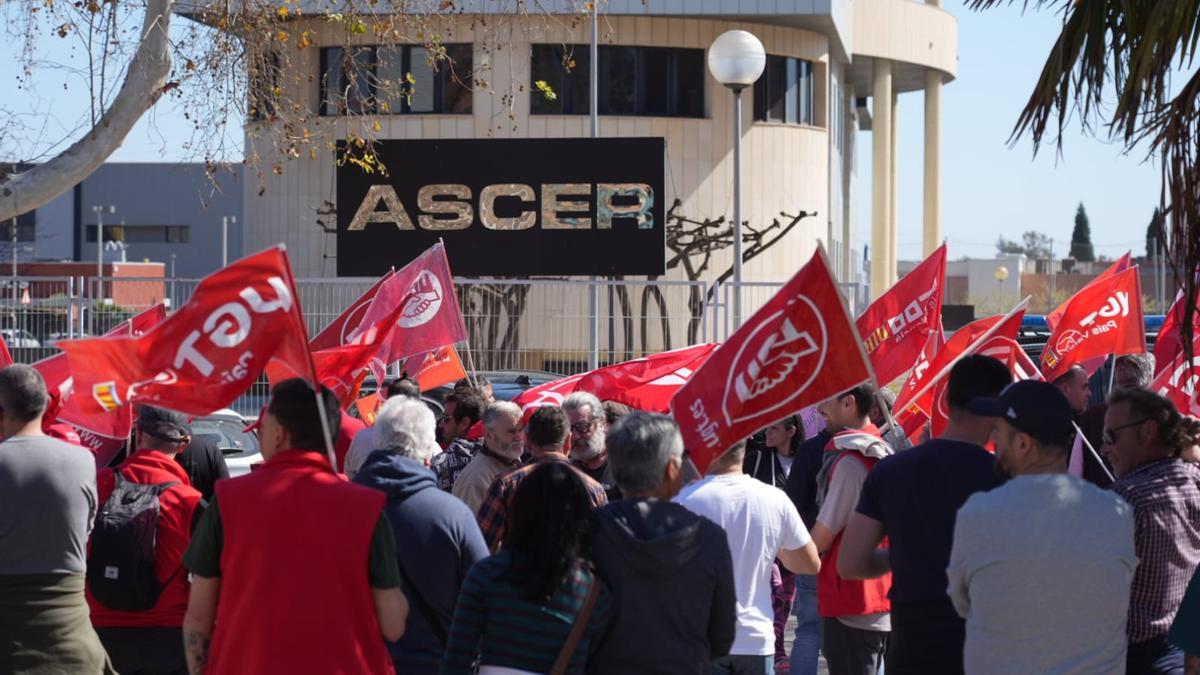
225, 221
16, 300
99, 211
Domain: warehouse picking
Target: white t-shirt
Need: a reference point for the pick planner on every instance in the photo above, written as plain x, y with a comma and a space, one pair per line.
759, 520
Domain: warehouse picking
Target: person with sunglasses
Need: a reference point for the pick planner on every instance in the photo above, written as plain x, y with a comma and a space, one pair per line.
1144, 436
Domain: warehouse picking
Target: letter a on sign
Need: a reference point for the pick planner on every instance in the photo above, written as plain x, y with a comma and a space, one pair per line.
800, 348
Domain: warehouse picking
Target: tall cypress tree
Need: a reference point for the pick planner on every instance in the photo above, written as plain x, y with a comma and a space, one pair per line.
1155, 235
1081, 238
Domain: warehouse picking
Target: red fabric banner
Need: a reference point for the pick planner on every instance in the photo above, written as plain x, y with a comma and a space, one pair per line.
1169, 344
441, 366
896, 326
1123, 263
1179, 380
924, 397
208, 352
430, 316
801, 347
338, 332
1102, 319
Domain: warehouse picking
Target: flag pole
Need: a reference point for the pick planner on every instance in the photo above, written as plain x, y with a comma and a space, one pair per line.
1092, 450
326, 433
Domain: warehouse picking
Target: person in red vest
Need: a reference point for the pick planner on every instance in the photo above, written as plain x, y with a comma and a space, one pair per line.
148, 640
855, 615
294, 569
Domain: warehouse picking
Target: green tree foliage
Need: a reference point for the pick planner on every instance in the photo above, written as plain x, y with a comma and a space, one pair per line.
1155, 235
1081, 237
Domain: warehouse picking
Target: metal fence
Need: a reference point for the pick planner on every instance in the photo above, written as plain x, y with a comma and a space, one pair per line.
539, 324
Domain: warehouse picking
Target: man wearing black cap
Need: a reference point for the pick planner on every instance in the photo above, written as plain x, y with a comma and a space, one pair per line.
148, 640
1041, 566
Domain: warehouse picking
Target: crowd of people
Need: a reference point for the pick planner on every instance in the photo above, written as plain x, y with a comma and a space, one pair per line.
580, 539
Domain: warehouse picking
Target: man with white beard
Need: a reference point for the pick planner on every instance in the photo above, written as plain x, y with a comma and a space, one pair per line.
588, 429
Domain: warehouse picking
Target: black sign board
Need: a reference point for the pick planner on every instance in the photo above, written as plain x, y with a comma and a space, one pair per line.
507, 207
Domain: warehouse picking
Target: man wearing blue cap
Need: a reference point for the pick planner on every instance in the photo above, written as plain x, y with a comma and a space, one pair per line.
1041, 566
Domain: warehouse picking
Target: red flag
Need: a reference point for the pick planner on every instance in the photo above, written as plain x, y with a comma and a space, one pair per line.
799, 348
923, 396
338, 332
1123, 263
103, 434
438, 367
1168, 344
343, 368
896, 326
208, 352
656, 395
550, 393
1179, 379
431, 318
6, 359
1104, 318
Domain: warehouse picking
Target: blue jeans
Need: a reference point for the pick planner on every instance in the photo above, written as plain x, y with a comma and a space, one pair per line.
807, 647
741, 664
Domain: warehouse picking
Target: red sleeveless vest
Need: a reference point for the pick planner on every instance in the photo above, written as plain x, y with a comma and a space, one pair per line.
295, 597
847, 597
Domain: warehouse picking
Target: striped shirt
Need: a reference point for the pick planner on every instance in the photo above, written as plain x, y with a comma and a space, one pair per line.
493, 513
1165, 496
492, 620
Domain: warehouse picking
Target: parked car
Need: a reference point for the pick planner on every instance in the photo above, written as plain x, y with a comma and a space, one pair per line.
506, 385
19, 338
226, 428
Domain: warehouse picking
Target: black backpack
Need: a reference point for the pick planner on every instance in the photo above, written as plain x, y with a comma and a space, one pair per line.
120, 570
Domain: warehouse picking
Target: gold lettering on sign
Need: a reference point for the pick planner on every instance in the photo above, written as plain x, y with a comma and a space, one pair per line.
487, 207
551, 206
640, 212
394, 212
460, 206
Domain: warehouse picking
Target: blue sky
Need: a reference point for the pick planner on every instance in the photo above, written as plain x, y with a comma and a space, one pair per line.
989, 188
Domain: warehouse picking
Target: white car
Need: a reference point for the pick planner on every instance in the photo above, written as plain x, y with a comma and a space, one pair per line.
226, 429
19, 338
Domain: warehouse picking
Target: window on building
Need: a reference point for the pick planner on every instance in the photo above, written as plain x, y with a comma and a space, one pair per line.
366, 80
645, 81
26, 228
263, 82
142, 234
785, 92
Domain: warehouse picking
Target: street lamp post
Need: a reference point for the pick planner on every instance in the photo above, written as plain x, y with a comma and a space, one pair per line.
225, 221
99, 211
736, 59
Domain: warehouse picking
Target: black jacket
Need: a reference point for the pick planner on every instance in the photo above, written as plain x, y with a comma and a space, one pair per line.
763, 463
672, 578
204, 464
801, 483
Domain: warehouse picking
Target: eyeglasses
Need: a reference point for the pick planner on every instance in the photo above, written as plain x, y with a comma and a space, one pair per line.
584, 426
1110, 435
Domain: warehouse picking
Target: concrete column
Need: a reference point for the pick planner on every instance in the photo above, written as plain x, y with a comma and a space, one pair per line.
881, 180
894, 217
849, 126
933, 155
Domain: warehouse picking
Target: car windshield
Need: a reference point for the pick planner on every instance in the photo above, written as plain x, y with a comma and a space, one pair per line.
227, 434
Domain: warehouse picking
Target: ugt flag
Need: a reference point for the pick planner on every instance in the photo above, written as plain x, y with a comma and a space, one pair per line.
1123, 263
338, 332
1179, 379
897, 324
1103, 318
430, 317
799, 348
206, 354
1169, 343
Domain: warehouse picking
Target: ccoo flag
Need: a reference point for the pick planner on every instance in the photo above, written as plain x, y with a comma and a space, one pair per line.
799, 348
206, 354
896, 326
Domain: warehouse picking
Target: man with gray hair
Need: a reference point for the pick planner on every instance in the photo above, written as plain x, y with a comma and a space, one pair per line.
437, 539
669, 569
47, 504
589, 424
503, 443
1129, 371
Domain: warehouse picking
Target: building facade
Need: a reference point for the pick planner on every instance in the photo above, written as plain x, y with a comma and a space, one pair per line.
826, 60
169, 213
